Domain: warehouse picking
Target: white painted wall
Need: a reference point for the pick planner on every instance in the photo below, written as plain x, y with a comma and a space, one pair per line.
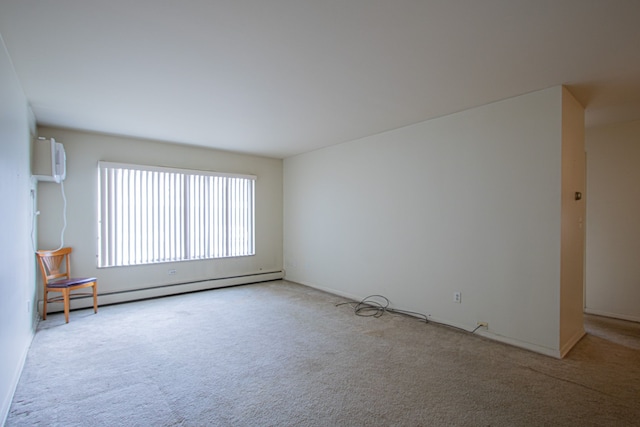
613, 231
470, 202
84, 150
17, 263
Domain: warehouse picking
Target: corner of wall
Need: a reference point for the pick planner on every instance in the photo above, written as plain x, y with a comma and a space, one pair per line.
573, 223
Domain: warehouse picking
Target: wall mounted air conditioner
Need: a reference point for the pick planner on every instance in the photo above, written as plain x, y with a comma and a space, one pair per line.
49, 161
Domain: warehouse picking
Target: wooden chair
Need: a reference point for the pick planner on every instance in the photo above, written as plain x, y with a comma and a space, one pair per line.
56, 276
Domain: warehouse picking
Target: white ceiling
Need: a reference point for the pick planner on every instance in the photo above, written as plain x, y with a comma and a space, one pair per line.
282, 77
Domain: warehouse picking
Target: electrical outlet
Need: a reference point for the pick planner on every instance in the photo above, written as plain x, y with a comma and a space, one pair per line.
457, 297
483, 324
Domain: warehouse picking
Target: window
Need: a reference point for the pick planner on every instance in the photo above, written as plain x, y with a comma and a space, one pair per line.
154, 214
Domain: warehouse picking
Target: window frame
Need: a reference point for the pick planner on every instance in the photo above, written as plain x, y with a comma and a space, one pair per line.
186, 218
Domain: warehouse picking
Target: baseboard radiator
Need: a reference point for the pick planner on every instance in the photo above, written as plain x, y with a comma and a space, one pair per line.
165, 290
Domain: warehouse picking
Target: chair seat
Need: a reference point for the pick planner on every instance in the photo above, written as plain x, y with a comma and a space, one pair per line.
71, 282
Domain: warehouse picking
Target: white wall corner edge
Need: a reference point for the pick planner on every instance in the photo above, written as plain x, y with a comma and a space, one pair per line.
566, 348
6, 404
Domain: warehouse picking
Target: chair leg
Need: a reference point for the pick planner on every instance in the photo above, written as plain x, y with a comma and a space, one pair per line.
65, 298
95, 297
44, 304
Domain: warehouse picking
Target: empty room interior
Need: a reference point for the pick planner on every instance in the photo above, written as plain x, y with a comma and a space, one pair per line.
476, 164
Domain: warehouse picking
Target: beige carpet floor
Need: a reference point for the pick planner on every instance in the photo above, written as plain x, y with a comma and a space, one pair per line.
281, 354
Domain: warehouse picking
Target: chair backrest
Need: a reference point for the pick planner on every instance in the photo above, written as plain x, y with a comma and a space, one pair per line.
54, 264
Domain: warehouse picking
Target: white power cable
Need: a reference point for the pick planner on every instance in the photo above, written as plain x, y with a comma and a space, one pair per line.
64, 215
34, 215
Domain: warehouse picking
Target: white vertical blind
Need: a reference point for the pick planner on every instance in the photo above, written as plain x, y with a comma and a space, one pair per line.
152, 214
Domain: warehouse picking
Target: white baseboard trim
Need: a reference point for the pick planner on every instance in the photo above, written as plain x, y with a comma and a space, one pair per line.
164, 290
325, 289
521, 344
487, 334
612, 315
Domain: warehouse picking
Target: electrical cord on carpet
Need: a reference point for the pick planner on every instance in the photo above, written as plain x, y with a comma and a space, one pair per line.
377, 305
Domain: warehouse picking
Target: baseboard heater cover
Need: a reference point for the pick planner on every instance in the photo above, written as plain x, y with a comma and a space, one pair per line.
165, 290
